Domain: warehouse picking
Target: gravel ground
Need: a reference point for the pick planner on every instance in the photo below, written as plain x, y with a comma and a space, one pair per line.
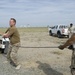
46, 61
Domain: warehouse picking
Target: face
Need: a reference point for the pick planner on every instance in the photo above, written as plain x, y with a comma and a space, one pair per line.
11, 23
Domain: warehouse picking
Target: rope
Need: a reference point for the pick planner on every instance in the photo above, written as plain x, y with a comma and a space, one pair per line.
39, 47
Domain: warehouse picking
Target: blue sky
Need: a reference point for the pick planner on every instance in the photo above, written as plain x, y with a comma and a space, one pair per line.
37, 12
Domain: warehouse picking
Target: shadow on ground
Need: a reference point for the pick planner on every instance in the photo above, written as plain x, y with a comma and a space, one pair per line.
47, 69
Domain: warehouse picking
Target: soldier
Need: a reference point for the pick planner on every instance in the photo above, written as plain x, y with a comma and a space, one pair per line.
70, 41
70, 30
13, 34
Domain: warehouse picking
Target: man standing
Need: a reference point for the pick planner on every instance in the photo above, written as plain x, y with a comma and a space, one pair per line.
70, 30
70, 41
13, 34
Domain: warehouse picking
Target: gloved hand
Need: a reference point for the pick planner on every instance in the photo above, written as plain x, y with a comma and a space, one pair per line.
61, 47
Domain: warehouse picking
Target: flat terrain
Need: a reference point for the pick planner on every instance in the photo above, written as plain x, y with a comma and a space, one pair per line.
38, 61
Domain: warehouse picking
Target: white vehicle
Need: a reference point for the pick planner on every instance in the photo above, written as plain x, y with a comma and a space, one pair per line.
59, 30
4, 42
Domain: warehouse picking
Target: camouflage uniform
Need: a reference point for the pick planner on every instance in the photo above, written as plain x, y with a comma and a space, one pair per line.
73, 62
12, 53
73, 57
71, 31
71, 41
14, 45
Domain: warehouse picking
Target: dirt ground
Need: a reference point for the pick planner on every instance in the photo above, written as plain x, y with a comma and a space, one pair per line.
43, 61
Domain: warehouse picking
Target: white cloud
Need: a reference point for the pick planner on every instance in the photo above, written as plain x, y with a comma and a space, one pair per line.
38, 12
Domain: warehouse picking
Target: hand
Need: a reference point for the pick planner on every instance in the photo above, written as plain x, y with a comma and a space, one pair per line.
61, 47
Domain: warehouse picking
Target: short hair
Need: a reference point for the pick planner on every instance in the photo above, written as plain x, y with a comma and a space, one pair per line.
71, 23
13, 20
